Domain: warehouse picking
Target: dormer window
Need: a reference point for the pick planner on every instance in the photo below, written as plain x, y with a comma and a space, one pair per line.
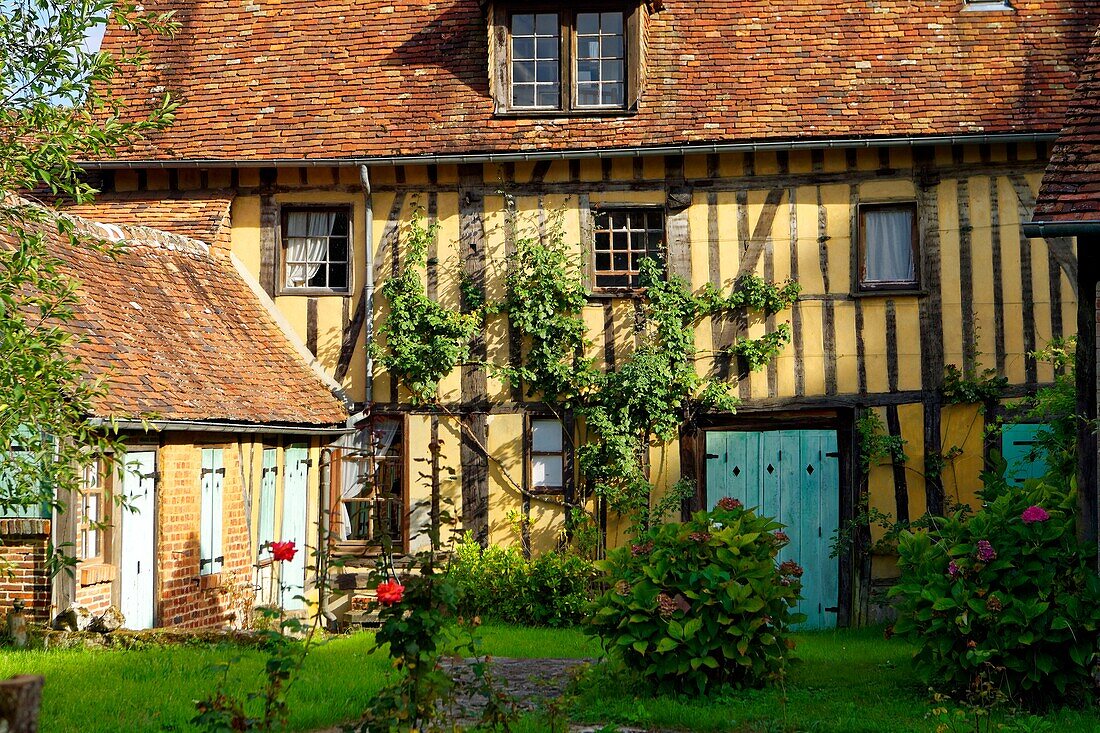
550, 58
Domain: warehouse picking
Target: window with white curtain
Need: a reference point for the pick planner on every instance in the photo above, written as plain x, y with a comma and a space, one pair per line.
317, 249
546, 454
889, 255
372, 475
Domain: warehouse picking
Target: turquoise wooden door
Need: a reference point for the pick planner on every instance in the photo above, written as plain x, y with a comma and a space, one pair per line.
1019, 451
794, 476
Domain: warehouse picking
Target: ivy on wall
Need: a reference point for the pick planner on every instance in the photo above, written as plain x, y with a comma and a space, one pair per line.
624, 411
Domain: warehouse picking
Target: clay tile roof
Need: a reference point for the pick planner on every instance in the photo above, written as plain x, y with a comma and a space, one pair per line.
294, 79
1071, 187
203, 216
179, 335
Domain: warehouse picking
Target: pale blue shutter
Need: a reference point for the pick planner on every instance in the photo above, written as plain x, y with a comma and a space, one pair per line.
268, 483
210, 516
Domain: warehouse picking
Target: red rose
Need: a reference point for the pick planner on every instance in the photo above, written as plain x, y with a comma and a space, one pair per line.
283, 550
390, 592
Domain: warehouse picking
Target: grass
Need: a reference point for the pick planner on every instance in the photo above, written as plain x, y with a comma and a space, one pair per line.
154, 689
850, 682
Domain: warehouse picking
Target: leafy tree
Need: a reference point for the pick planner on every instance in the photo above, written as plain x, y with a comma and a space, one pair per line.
55, 111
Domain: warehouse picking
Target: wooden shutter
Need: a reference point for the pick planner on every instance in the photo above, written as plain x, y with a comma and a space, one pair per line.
210, 514
635, 54
268, 483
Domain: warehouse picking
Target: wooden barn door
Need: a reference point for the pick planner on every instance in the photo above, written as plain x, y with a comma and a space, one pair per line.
295, 491
794, 476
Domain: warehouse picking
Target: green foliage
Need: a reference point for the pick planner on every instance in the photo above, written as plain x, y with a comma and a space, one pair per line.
758, 352
876, 445
544, 298
552, 589
425, 340
55, 109
980, 388
998, 599
700, 604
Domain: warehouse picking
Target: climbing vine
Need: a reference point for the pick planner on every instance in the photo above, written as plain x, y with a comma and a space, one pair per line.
424, 339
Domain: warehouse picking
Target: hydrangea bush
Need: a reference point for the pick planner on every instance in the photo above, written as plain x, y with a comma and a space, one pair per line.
703, 603
1004, 597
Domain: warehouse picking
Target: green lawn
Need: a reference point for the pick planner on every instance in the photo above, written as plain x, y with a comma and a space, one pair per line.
850, 682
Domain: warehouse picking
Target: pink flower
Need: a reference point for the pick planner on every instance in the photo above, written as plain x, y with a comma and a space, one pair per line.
952, 568
729, 503
790, 568
1034, 514
283, 550
390, 592
986, 551
781, 538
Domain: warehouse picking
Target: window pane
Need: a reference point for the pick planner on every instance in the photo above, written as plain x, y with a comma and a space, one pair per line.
588, 71
620, 261
523, 95
340, 225
549, 95
613, 47
603, 261
588, 95
611, 22
612, 71
588, 47
612, 94
523, 24
546, 24
546, 436
546, 471
889, 246
546, 71
338, 249
603, 241
338, 276
320, 276
548, 48
523, 71
523, 48
588, 23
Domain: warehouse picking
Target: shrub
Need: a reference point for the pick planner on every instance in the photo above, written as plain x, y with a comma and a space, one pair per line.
702, 603
1004, 597
552, 589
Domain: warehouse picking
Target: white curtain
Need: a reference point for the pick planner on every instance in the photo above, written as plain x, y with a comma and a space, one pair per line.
890, 246
355, 477
307, 234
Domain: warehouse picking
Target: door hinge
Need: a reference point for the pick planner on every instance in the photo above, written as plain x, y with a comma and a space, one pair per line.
819, 531
307, 461
709, 456
832, 454
832, 609
155, 475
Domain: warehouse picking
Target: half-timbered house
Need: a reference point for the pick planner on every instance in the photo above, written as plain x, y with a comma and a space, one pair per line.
883, 154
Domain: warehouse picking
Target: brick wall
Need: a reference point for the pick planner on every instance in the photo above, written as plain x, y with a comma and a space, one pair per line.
23, 572
187, 599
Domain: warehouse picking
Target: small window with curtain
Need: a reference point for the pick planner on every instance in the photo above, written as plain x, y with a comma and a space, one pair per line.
316, 249
546, 470
889, 247
372, 496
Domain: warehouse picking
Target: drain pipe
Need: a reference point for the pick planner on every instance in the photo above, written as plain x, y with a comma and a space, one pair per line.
368, 284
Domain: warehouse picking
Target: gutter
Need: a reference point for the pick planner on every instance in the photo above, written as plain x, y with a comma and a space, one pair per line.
214, 426
368, 282
624, 152
1050, 229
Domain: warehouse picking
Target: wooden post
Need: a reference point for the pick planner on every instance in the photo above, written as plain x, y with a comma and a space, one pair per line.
20, 698
1087, 276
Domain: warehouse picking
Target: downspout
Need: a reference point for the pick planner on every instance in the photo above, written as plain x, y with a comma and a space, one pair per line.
368, 284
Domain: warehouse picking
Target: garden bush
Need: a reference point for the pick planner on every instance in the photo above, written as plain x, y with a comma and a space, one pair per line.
552, 589
703, 603
1003, 598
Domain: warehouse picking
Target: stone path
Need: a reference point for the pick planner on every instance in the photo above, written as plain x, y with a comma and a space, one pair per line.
530, 683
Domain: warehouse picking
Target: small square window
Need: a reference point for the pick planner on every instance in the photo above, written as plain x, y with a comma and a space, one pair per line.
92, 522
317, 249
623, 238
547, 466
889, 250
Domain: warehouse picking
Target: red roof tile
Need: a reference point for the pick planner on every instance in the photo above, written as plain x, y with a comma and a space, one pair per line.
179, 335
261, 79
1071, 187
203, 216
